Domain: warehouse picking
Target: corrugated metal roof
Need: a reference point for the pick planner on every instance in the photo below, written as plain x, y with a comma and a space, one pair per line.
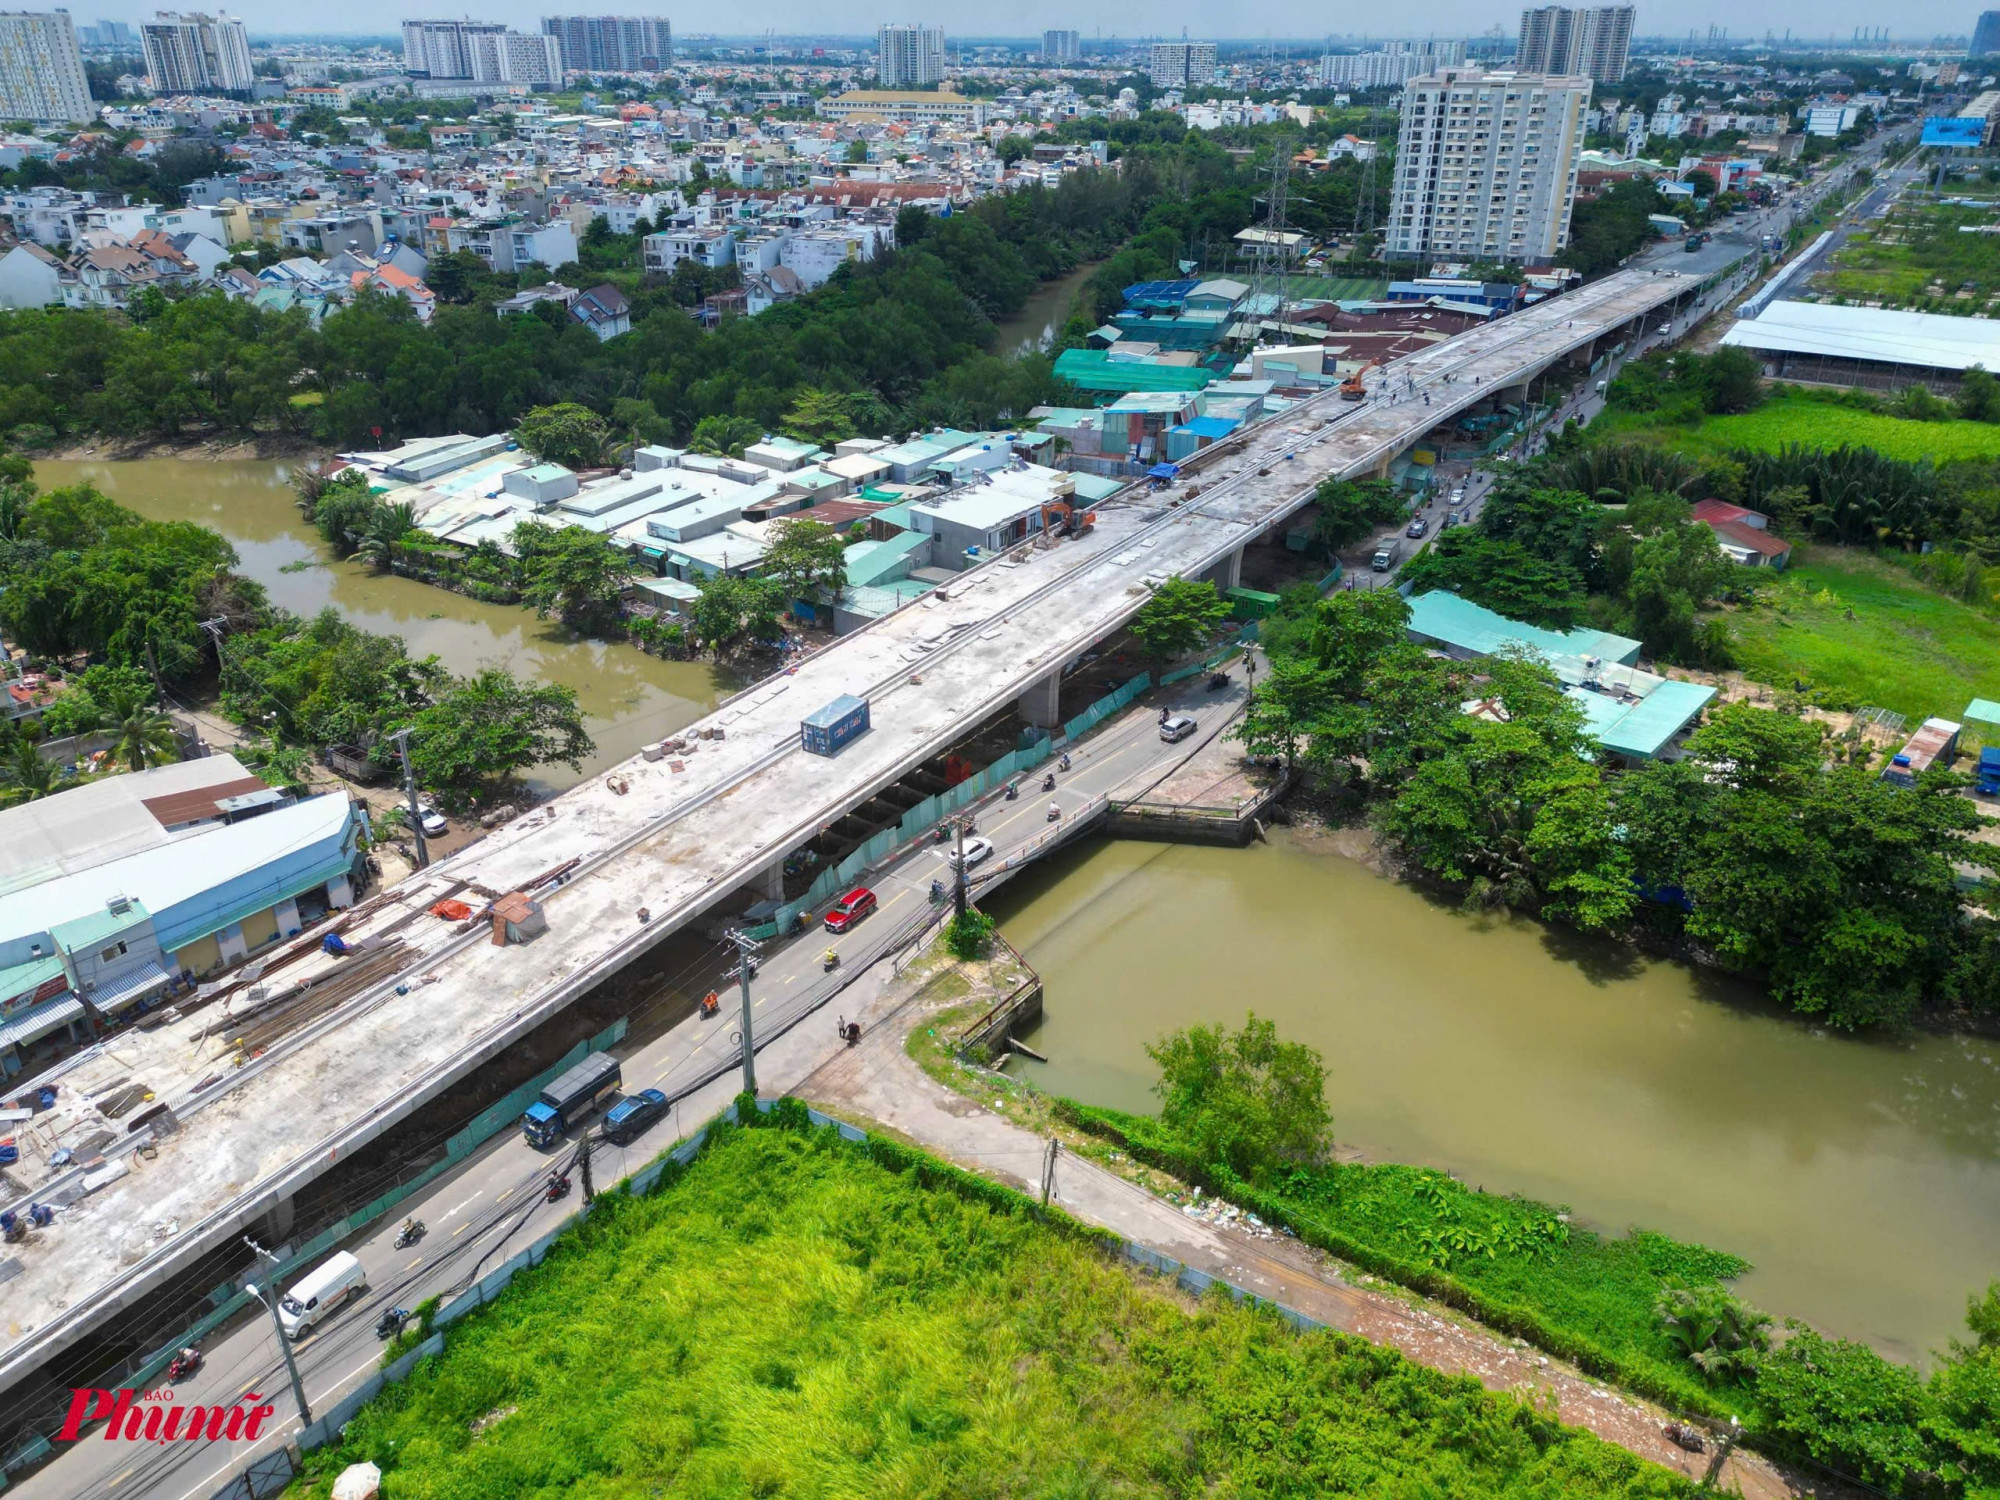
1935, 341
40, 1020
1445, 617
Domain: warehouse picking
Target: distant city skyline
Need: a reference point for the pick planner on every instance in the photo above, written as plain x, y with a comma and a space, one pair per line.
1242, 22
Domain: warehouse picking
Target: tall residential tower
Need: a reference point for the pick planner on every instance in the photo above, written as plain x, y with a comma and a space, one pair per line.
41, 70
613, 44
196, 54
1486, 166
909, 56
1595, 43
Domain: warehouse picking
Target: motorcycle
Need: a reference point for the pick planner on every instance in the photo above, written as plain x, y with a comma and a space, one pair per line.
391, 1322
1049, 782
1682, 1435
1063, 764
1055, 813
937, 892
183, 1365
1218, 682
829, 960
1013, 790
558, 1187
942, 835
710, 1004
850, 1031
410, 1233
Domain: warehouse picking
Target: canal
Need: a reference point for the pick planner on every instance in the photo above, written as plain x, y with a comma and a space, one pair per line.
630, 697
1861, 1177
1031, 330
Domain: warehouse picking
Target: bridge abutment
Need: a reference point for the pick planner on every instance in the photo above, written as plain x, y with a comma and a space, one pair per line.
1041, 705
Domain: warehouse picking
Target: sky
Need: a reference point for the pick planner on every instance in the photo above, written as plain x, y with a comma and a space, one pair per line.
1240, 19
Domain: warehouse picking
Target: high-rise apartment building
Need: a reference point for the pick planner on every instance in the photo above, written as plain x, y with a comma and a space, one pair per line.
481, 52
613, 44
1986, 35
1395, 63
1486, 166
1595, 43
41, 70
196, 54
1177, 65
909, 56
1062, 46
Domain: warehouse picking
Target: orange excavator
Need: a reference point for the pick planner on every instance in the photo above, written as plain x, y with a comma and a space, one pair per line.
1354, 388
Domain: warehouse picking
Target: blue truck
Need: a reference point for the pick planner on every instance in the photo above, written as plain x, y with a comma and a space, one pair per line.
1988, 782
574, 1093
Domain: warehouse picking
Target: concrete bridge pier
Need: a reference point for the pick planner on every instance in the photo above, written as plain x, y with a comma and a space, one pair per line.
1228, 573
1041, 704
770, 881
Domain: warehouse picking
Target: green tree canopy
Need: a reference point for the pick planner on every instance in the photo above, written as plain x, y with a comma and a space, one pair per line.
1181, 615
566, 433
807, 560
1243, 1099
572, 573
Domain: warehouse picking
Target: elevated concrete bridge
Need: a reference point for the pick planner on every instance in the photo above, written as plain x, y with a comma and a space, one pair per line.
653, 845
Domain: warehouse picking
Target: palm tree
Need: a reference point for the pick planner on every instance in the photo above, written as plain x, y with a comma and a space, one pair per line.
142, 736
387, 526
25, 776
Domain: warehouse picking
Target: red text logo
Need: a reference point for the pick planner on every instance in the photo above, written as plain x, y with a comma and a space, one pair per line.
142, 1417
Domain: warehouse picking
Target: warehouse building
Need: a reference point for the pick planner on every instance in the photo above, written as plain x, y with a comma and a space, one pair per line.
1874, 348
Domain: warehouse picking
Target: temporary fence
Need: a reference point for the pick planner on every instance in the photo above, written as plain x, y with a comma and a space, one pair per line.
230, 1296
910, 827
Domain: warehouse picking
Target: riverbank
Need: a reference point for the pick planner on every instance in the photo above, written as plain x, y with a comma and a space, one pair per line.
266, 447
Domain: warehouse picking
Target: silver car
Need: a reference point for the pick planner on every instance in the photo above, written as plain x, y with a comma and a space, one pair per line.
1177, 728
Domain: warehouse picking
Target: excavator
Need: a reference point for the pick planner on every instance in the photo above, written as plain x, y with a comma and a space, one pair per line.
1354, 388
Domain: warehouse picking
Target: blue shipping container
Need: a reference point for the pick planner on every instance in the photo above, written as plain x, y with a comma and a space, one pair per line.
825, 732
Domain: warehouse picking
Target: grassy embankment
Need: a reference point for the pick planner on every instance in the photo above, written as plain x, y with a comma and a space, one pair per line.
1917, 259
791, 1317
1802, 417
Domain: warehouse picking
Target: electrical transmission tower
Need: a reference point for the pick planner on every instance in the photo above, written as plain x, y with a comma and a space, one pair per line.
1364, 192
1271, 284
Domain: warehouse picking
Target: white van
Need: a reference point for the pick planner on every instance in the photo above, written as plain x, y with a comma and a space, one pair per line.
331, 1284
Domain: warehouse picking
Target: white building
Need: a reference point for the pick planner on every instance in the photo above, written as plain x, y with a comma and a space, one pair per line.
1395, 63
613, 44
1062, 46
1594, 42
481, 52
1486, 166
1830, 119
909, 56
197, 54
41, 70
1179, 64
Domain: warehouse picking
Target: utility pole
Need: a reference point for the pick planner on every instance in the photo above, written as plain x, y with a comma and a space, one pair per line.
284, 1344
402, 739
583, 1161
958, 880
746, 949
1049, 1170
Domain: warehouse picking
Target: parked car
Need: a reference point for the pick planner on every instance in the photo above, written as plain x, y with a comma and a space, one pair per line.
1418, 527
850, 909
632, 1115
1177, 728
431, 821
977, 851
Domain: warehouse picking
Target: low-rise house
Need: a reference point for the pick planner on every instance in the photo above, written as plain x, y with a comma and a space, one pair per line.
604, 311
1744, 534
32, 277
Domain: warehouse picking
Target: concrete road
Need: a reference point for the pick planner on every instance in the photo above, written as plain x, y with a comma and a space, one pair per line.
492, 1206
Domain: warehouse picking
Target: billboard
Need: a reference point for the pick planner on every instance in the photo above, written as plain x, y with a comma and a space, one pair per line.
1955, 130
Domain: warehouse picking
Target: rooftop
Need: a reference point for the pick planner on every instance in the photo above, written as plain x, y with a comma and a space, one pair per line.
1452, 621
1937, 341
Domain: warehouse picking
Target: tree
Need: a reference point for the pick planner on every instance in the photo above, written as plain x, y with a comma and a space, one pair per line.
342, 511
730, 611
1243, 1100
142, 736
1717, 1334
25, 776
387, 524
1846, 1407
821, 418
724, 437
454, 275
1735, 381
1181, 615
566, 433
856, 153
807, 560
88, 700
1501, 574
571, 573
482, 731
1349, 509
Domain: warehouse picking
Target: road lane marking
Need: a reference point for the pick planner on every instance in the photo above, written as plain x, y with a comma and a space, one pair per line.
113, 1484
460, 1230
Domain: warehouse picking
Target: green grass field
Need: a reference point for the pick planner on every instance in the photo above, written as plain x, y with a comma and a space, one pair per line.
1794, 418
794, 1318
1870, 637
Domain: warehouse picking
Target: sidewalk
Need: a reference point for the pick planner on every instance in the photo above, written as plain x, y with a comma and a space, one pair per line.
878, 1081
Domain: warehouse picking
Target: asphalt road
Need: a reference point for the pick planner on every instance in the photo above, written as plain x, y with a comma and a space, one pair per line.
492, 1206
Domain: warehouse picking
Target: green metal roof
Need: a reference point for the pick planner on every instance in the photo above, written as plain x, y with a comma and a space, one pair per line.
1641, 728
98, 927
871, 563
1443, 616
1985, 710
24, 979
1093, 370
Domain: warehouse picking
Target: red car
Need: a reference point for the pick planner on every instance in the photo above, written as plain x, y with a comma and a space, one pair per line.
850, 909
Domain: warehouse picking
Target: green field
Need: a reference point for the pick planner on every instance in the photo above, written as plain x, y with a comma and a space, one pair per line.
1869, 637
1918, 259
797, 1317
1792, 417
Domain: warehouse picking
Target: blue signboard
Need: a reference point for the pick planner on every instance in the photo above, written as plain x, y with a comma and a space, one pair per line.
1954, 130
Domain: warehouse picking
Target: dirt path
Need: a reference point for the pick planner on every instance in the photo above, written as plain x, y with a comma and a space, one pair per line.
878, 1081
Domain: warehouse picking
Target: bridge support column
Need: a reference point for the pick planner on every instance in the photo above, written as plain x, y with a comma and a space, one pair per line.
276, 1226
1228, 573
770, 882
1041, 705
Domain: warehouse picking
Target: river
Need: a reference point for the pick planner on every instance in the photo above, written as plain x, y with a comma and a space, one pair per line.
1861, 1177
1031, 329
629, 697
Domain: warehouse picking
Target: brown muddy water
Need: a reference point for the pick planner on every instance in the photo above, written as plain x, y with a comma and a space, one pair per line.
630, 697
1031, 330
1861, 1177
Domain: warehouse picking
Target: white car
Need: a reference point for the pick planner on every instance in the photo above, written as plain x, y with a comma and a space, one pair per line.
431, 821
977, 851
1177, 728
